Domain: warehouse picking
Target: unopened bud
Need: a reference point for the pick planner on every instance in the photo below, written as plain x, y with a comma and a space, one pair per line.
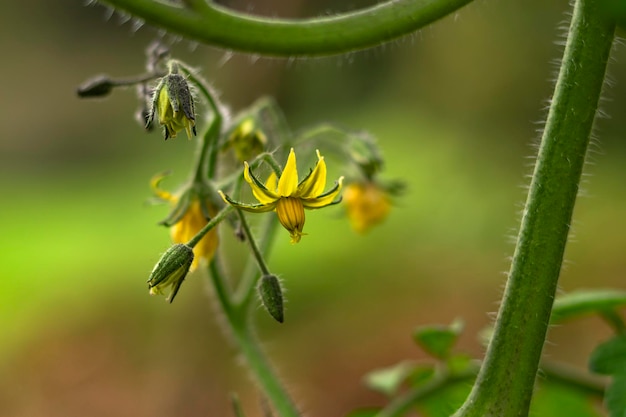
98, 86
172, 104
247, 140
171, 270
272, 296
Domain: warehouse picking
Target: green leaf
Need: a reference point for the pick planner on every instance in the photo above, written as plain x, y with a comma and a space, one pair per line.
437, 340
615, 398
556, 400
609, 358
420, 375
584, 302
444, 401
460, 363
388, 380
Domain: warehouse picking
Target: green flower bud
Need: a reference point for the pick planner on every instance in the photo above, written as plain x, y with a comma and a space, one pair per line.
272, 296
173, 104
171, 270
98, 86
247, 140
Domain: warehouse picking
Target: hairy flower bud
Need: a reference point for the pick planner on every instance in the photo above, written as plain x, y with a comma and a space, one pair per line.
173, 104
272, 296
171, 270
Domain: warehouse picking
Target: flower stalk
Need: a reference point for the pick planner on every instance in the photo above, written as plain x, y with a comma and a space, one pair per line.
505, 382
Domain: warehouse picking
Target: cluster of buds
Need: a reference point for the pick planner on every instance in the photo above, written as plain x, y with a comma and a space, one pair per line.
252, 136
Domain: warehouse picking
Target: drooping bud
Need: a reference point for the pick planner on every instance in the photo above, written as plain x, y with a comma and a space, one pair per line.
173, 104
171, 270
272, 296
98, 86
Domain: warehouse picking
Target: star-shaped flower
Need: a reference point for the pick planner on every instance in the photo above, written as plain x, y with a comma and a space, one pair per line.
287, 196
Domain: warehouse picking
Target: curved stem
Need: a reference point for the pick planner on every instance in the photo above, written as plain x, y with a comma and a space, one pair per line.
613, 319
505, 383
224, 28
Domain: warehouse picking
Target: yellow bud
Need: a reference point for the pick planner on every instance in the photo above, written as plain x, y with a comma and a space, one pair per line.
367, 204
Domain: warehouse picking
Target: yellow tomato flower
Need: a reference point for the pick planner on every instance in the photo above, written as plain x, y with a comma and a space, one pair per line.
191, 222
288, 197
367, 204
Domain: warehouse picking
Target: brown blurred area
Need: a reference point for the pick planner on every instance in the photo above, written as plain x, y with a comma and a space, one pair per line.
455, 107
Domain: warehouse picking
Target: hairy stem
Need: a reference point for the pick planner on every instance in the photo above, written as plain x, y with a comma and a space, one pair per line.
263, 372
505, 383
240, 326
329, 35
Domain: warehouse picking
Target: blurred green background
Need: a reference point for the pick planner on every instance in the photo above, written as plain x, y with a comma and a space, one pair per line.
456, 107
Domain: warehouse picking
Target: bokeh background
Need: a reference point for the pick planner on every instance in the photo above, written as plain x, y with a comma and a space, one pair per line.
456, 108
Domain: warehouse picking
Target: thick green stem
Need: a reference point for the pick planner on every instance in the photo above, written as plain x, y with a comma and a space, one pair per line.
346, 32
505, 383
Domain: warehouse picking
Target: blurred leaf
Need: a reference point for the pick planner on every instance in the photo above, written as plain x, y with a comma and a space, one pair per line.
438, 340
609, 358
615, 398
584, 302
388, 380
556, 400
420, 375
460, 363
364, 412
445, 401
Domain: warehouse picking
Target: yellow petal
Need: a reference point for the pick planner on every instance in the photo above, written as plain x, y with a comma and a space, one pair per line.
288, 182
272, 182
313, 185
162, 194
259, 190
325, 199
